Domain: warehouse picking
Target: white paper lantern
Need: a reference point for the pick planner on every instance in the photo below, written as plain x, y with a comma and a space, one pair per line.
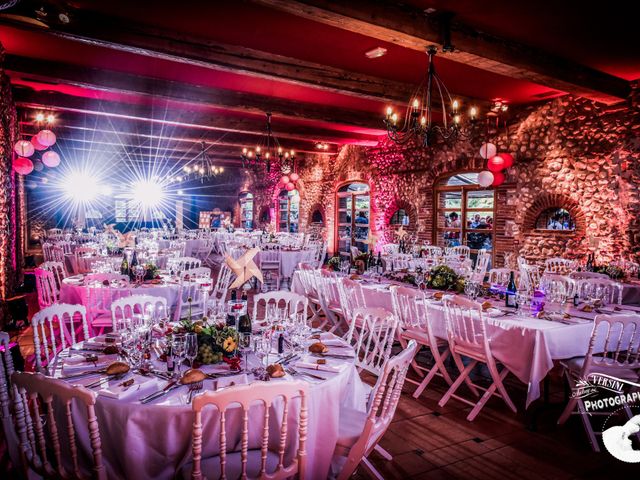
485, 178
488, 150
51, 159
46, 137
24, 148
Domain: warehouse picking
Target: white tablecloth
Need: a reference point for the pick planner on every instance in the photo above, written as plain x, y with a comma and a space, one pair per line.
74, 294
153, 441
527, 346
290, 260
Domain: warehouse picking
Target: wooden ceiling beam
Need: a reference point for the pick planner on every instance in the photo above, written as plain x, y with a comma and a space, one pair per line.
410, 27
181, 119
29, 69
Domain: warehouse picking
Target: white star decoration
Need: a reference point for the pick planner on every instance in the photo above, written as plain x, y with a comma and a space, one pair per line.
244, 268
400, 233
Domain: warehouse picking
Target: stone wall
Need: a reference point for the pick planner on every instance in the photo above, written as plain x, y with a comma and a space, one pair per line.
569, 153
11, 193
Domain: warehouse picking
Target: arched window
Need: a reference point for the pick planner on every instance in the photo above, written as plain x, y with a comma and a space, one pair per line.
288, 211
317, 218
352, 217
246, 210
555, 218
400, 217
465, 213
265, 215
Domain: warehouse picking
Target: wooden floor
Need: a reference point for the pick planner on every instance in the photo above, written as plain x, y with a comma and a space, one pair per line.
429, 442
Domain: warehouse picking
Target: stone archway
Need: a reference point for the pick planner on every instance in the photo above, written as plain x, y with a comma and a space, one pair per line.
546, 201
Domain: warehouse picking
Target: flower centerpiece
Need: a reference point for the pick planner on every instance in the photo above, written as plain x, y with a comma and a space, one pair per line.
402, 276
614, 272
443, 277
333, 264
150, 271
216, 343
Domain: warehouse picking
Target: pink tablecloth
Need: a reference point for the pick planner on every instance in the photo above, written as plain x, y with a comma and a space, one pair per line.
153, 441
526, 346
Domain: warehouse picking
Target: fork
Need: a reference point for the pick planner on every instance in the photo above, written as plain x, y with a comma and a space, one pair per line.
194, 388
295, 372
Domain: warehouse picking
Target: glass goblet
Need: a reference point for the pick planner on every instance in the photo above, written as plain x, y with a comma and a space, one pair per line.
191, 347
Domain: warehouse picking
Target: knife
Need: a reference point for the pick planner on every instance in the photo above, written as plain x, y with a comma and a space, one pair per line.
169, 387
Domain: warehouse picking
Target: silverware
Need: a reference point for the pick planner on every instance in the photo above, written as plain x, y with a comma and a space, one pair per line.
193, 389
107, 378
333, 355
172, 385
295, 372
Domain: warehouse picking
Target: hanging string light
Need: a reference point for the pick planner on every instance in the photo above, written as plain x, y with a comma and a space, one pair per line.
419, 123
269, 151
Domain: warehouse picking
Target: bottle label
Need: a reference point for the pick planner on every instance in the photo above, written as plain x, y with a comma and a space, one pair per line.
511, 300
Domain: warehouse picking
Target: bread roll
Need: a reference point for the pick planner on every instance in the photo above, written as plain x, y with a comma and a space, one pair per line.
486, 305
275, 371
318, 347
192, 376
438, 295
110, 350
117, 367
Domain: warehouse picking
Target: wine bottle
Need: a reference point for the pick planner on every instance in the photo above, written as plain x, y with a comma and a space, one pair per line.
124, 266
589, 266
281, 344
244, 328
234, 296
134, 260
510, 294
244, 296
170, 362
379, 268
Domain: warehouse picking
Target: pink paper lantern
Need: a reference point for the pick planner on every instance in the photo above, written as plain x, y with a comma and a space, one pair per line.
508, 159
290, 186
51, 159
498, 179
294, 177
284, 180
23, 166
495, 164
23, 148
36, 144
488, 150
485, 178
46, 137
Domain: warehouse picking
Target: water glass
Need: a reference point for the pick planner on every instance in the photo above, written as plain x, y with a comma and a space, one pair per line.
191, 347
179, 349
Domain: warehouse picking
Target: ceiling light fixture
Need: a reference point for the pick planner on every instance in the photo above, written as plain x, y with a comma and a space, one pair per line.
270, 150
200, 168
418, 123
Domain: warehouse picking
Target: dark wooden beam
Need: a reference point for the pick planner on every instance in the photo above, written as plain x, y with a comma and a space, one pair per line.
30, 69
102, 31
409, 27
181, 119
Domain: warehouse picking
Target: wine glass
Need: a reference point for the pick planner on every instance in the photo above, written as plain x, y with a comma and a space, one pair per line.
138, 271
179, 345
420, 280
191, 347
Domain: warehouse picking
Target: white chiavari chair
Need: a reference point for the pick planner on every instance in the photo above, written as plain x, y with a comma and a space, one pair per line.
411, 308
48, 293
321, 254
56, 254
51, 334
306, 276
500, 276
6, 395
180, 264
560, 284
480, 269
326, 284
137, 306
203, 249
58, 269
270, 266
270, 453
178, 246
467, 332
614, 349
351, 297
291, 302
38, 444
390, 248
191, 288
610, 290
432, 250
371, 333
46, 251
401, 261
83, 259
67, 247
459, 250
98, 299
360, 432
559, 265
530, 277
221, 287
52, 232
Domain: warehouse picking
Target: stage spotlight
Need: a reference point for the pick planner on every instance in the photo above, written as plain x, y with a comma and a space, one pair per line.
148, 193
106, 190
81, 187
180, 192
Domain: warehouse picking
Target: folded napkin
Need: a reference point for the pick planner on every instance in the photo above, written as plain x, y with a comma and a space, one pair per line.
493, 312
334, 342
240, 379
141, 386
99, 342
323, 368
78, 364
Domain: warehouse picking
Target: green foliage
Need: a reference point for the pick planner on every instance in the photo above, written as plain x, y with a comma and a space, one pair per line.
443, 277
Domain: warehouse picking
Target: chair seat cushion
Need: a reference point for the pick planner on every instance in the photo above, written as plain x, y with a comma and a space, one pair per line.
575, 365
211, 466
351, 426
420, 336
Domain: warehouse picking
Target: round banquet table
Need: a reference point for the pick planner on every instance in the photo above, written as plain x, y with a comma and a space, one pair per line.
153, 440
75, 292
289, 260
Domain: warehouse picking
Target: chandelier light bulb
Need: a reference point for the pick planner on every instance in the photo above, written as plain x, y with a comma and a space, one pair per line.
257, 150
456, 119
423, 121
286, 154
279, 150
51, 118
250, 154
416, 103
40, 117
293, 153
394, 118
473, 111
455, 105
244, 150
221, 169
267, 155
389, 111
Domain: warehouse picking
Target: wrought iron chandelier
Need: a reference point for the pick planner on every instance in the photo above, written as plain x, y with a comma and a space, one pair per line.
418, 123
201, 167
270, 151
